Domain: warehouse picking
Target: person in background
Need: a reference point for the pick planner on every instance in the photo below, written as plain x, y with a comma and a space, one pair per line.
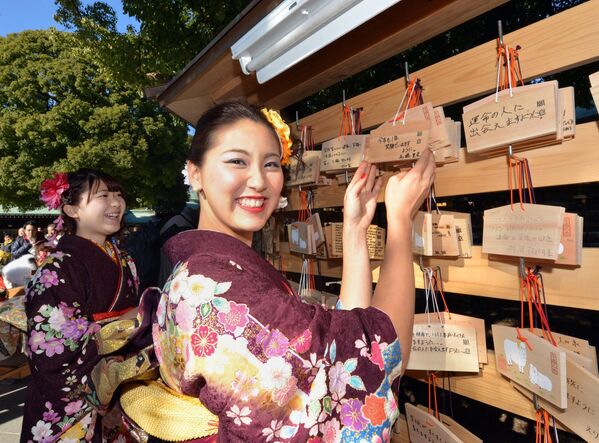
50, 231
85, 281
22, 244
5, 248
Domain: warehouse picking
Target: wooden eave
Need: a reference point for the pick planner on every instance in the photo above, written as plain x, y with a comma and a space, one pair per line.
213, 76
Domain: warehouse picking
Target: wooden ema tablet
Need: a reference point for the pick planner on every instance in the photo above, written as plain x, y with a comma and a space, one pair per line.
580, 415
444, 235
443, 347
570, 247
594, 79
530, 114
463, 434
422, 243
534, 232
463, 228
300, 238
305, 172
568, 111
541, 370
318, 233
576, 348
345, 152
425, 428
595, 95
463, 320
397, 144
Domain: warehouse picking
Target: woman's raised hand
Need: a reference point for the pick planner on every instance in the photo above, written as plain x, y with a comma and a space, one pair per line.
360, 198
406, 191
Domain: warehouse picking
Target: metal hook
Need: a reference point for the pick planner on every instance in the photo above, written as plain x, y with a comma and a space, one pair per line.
522, 268
500, 31
510, 151
421, 263
407, 72
346, 177
343, 91
297, 125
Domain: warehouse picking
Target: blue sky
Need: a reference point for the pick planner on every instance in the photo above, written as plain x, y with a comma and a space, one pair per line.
20, 15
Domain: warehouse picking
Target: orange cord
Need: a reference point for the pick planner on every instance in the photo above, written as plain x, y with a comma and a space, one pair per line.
432, 380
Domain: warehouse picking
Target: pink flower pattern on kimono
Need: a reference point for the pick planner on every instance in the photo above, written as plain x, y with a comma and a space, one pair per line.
274, 343
48, 278
235, 319
330, 431
203, 341
338, 379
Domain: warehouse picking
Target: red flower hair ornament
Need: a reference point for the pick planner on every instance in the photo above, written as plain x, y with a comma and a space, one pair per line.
52, 189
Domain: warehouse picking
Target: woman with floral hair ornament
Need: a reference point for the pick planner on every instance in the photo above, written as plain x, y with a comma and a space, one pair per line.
241, 357
86, 281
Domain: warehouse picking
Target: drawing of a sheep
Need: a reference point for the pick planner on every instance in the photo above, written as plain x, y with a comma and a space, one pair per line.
539, 379
515, 353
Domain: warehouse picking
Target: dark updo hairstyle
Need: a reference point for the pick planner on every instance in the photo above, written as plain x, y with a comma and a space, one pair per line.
81, 181
222, 115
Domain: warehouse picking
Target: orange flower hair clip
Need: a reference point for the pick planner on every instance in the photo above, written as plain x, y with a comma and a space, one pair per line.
283, 131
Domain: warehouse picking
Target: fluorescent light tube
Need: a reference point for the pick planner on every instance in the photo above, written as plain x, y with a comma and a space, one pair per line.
296, 29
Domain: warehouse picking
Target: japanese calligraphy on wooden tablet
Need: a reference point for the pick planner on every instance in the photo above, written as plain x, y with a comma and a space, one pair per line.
568, 109
580, 415
444, 235
425, 428
533, 232
536, 364
397, 144
306, 171
443, 347
570, 247
577, 348
345, 152
463, 228
531, 113
457, 429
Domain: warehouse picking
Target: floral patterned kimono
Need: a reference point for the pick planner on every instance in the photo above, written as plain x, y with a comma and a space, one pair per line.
230, 332
78, 286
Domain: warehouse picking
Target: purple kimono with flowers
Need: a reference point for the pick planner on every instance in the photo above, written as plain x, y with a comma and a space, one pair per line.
272, 368
78, 285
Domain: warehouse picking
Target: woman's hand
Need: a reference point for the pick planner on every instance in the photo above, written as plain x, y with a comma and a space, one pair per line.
406, 191
360, 198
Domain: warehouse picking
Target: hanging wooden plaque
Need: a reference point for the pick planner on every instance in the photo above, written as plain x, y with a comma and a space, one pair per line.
530, 114
444, 235
460, 320
534, 232
580, 415
422, 241
568, 111
541, 369
318, 233
305, 172
443, 347
577, 348
397, 144
425, 428
463, 228
570, 246
375, 240
345, 152
457, 429
300, 238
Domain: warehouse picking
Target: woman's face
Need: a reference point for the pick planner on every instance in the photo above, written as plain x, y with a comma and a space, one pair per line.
98, 214
240, 179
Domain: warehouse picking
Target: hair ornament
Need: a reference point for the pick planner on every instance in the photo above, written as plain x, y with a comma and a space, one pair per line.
51, 190
283, 131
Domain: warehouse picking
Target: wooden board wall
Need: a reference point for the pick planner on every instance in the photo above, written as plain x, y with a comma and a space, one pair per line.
558, 43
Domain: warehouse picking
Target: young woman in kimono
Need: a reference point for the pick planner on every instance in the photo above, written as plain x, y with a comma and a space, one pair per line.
252, 359
85, 281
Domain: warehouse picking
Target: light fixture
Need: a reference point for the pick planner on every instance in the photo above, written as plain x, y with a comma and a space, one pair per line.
296, 29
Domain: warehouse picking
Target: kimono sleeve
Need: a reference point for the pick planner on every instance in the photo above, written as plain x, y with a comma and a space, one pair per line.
255, 353
60, 347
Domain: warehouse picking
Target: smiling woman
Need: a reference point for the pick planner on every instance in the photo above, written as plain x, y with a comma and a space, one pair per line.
241, 357
85, 281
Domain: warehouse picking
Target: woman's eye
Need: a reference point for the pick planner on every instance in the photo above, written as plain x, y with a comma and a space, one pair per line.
273, 165
236, 161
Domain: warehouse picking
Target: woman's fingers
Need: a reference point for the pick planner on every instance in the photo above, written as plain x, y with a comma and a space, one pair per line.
371, 178
358, 181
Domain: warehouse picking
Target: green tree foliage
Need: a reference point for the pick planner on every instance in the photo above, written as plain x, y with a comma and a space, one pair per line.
60, 111
170, 35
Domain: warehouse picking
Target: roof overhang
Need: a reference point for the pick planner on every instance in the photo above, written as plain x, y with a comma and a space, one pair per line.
213, 76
